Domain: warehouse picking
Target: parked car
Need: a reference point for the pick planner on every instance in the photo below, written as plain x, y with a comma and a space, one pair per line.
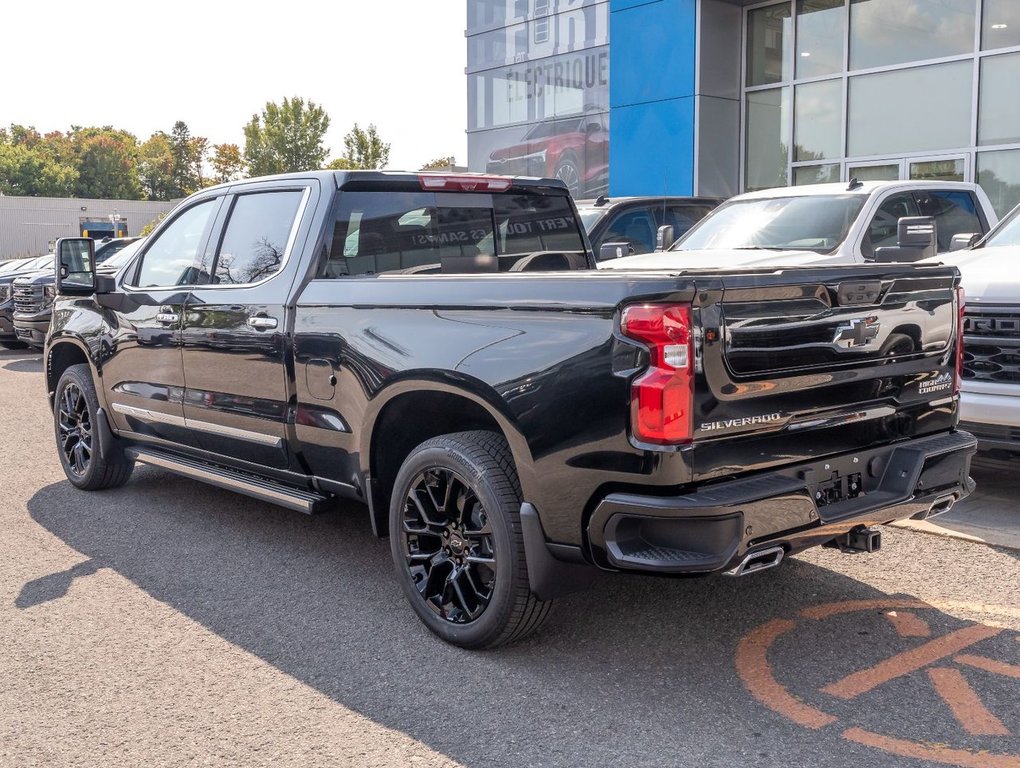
33, 293
8, 273
572, 149
440, 348
635, 222
990, 403
821, 224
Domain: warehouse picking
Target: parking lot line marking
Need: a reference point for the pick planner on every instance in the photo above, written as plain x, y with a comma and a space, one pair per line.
989, 665
756, 673
828, 610
964, 703
901, 664
908, 624
931, 752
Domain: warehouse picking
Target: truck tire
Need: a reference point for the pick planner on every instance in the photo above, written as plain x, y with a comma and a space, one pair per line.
74, 420
455, 536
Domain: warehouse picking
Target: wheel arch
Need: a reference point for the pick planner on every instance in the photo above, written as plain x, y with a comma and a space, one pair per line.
413, 410
61, 353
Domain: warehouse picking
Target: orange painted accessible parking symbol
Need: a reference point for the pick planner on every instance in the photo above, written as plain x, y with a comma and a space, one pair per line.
955, 678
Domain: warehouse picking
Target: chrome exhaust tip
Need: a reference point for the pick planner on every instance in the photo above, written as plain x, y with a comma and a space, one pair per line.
942, 504
757, 561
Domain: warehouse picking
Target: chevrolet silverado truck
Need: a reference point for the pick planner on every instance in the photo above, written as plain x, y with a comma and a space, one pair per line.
442, 349
819, 224
11, 271
990, 402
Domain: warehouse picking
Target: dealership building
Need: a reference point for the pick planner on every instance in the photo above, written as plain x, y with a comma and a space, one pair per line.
715, 97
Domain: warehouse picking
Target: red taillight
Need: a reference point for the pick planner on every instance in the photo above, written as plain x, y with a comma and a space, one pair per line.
958, 380
662, 398
464, 183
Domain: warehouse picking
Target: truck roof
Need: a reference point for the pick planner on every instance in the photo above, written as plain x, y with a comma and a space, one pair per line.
862, 188
343, 178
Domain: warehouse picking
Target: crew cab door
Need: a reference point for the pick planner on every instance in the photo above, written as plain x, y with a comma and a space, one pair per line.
234, 333
143, 373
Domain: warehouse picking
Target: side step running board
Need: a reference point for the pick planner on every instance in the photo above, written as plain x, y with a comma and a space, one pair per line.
299, 500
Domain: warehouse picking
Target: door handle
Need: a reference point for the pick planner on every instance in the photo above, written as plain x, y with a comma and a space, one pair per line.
262, 323
167, 317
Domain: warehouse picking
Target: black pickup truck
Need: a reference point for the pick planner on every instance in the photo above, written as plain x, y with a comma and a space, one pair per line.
442, 349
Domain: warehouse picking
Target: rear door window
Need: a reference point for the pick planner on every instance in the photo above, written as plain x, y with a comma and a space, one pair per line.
256, 237
448, 233
683, 217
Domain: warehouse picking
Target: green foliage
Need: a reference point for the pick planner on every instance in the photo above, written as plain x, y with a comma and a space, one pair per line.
147, 229
439, 163
106, 163
286, 138
156, 168
188, 153
34, 165
227, 163
362, 149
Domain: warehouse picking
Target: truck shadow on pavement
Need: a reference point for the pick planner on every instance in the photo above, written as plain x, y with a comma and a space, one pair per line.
25, 365
639, 671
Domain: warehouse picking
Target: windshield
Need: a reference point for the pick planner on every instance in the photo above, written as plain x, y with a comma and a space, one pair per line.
1008, 231
122, 257
807, 223
590, 217
32, 265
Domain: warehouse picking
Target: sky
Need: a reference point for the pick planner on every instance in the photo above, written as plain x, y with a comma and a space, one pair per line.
141, 66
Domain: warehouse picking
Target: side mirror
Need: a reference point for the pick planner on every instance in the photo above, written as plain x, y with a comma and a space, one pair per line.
76, 266
964, 240
664, 237
609, 251
916, 239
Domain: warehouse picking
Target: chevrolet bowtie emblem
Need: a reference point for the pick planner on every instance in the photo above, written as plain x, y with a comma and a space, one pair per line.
857, 332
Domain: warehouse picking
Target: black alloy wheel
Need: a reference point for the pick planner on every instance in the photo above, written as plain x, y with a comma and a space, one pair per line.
456, 541
74, 424
447, 541
75, 421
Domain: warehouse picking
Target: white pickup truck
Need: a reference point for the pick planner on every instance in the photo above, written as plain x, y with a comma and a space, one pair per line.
990, 407
845, 223
818, 224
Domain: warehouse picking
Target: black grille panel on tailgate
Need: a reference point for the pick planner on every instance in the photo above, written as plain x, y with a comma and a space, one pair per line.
991, 348
28, 299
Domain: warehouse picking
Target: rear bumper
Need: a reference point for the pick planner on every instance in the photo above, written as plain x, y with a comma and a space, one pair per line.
714, 527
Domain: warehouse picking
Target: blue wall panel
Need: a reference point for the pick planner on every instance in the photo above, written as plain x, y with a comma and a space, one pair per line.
652, 57
652, 148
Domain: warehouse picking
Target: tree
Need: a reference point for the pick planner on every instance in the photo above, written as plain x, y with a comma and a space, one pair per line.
188, 154
25, 171
363, 149
227, 163
286, 138
106, 162
439, 163
156, 168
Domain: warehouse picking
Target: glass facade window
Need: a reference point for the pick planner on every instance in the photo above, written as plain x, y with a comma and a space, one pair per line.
538, 91
886, 32
1000, 27
998, 173
998, 116
769, 33
880, 172
818, 120
821, 29
910, 110
768, 126
952, 169
815, 174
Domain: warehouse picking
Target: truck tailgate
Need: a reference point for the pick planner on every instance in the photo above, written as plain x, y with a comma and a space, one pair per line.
798, 364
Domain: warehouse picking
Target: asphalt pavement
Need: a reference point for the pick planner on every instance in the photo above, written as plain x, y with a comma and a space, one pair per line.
169, 623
